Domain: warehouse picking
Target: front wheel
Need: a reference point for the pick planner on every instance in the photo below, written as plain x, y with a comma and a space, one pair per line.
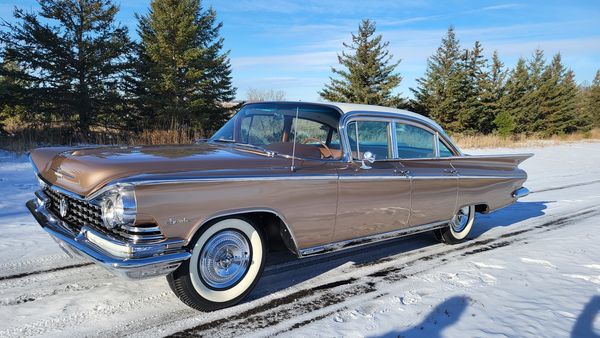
227, 260
459, 227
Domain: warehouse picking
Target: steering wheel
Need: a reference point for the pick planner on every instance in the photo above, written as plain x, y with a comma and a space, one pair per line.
320, 142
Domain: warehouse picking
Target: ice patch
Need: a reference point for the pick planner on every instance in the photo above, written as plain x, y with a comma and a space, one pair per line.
489, 266
593, 279
538, 261
488, 279
593, 266
566, 314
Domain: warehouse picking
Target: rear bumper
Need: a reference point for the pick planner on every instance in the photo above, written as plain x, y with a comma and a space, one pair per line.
521, 192
124, 259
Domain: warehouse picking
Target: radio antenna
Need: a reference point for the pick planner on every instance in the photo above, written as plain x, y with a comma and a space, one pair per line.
294, 145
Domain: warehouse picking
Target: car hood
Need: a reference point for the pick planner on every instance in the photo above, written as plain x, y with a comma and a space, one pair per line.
85, 170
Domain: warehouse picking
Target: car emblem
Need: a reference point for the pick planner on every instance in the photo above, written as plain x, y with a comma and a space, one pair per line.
63, 208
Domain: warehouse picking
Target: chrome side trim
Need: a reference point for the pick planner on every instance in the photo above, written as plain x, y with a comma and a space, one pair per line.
521, 192
372, 178
135, 181
321, 249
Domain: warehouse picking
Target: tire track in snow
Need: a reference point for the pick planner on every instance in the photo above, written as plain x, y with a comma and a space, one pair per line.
32, 273
321, 297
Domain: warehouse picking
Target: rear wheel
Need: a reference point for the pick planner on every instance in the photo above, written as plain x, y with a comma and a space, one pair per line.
459, 227
227, 260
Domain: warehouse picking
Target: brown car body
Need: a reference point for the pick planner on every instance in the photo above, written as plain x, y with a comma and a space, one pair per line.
320, 205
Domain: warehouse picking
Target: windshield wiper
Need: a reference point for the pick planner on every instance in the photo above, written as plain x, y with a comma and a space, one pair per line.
270, 153
224, 140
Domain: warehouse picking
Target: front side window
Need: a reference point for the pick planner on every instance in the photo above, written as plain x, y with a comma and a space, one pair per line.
275, 127
373, 136
414, 142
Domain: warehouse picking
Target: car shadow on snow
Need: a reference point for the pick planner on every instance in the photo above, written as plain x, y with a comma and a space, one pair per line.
584, 325
508, 216
296, 271
441, 317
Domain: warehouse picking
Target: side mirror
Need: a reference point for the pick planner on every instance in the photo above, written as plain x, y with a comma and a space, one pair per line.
368, 157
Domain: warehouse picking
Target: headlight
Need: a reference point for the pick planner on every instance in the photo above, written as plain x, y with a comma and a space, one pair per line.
118, 208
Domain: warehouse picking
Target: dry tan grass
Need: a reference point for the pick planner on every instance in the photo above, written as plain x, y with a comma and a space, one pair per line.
32, 137
521, 141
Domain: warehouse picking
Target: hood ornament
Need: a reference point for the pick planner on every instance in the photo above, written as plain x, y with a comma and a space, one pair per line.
60, 173
63, 207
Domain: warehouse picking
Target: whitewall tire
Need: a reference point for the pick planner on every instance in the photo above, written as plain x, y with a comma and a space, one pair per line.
227, 260
459, 227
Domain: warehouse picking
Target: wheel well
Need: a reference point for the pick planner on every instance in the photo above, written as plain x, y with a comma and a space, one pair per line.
274, 229
482, 208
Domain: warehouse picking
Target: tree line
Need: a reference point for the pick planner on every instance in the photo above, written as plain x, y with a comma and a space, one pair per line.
465, 91
71, 64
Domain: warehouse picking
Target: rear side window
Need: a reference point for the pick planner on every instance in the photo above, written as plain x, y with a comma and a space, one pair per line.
414, 142
444, 150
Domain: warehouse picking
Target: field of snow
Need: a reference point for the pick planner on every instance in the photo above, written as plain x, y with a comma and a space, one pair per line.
529, 270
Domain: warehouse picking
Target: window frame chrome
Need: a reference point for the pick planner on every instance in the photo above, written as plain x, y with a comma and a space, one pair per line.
394, 119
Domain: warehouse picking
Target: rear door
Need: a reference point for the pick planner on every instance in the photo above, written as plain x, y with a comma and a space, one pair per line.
434, 180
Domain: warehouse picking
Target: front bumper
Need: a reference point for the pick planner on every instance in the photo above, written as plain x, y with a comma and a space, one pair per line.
122, 258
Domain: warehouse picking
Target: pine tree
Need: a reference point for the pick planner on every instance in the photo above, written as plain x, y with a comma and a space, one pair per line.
438, 91
514, 98
71, 53
531, 117
592, 102
183, 75
473, 115
369, 76
560, 94
491, 97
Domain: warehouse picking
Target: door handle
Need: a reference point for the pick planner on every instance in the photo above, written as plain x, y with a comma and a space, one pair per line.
402, 172
451, 171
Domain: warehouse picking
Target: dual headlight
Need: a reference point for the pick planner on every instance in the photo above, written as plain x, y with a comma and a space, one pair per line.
118, 207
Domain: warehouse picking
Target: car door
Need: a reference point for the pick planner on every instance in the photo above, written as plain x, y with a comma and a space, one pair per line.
375, 197
434, 180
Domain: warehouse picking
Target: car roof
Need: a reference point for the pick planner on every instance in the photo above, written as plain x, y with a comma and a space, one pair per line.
346, 108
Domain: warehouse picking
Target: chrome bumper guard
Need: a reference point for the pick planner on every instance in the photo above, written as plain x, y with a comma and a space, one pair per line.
124, 259
521, 192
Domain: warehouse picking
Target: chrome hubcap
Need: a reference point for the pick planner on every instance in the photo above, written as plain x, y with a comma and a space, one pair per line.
461, 219
224, 259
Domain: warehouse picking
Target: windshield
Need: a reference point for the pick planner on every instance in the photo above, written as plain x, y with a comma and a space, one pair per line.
274, 127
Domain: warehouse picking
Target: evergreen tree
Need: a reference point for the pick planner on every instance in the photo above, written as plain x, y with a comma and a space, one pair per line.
514, 98
592, 102
71, 54
491, 97
438, 91
531, 117
182, 75
473, 116
504, 123
369, 76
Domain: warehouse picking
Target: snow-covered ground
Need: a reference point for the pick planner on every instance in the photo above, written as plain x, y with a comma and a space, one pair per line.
530, 270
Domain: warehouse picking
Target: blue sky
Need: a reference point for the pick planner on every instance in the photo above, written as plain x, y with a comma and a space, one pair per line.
291, 45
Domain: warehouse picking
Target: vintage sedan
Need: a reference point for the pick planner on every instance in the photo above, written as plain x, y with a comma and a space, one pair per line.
309, 177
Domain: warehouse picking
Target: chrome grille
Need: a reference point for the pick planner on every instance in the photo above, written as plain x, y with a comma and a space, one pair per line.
81, 212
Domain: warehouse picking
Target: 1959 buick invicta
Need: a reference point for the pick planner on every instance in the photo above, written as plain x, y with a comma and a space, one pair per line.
312, 177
